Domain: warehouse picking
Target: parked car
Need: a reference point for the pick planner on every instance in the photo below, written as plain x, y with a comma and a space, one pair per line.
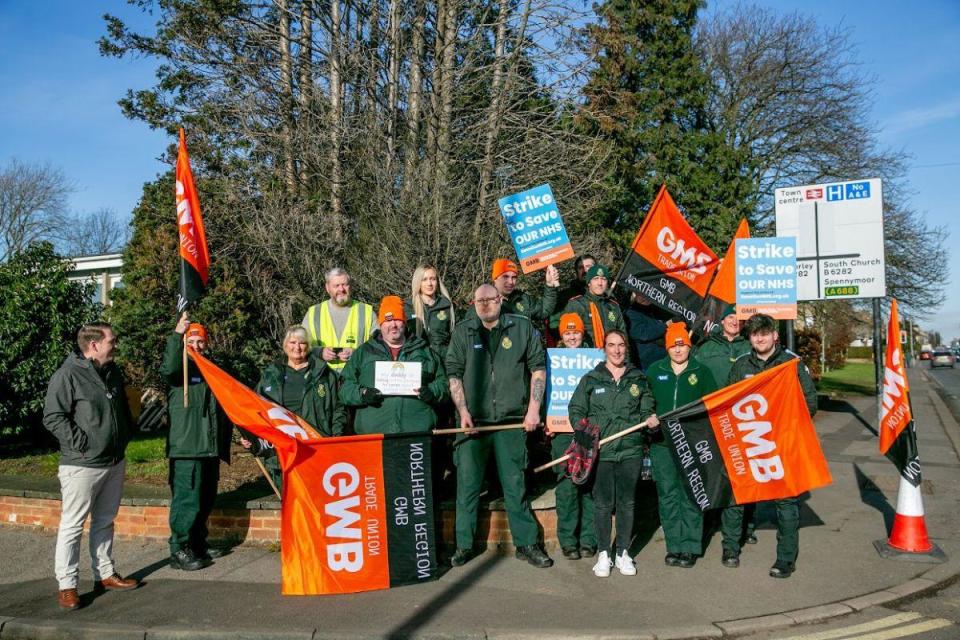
926, 355
943, 358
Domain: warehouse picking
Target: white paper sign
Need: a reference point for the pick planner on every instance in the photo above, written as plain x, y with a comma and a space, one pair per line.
397, 378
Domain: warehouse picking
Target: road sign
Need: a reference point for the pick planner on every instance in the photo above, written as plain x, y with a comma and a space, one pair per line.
839, 231
767, 277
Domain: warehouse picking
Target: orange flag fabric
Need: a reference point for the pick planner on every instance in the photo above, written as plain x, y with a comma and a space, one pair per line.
194, 256
357, 511
723, 289
669, 264
895, 412
749, 442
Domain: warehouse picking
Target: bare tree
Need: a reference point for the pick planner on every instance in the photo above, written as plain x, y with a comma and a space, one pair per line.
102, 231
33, 198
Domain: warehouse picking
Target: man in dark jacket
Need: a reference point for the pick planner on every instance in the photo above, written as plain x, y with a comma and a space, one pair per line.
646, 325
86, 409
198, 440
505, 274
379, 413
497, 371
767, 353
597, 308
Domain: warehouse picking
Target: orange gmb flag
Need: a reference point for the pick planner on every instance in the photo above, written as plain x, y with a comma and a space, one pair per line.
895, 413
194, 257
751, 441
357, 512
669, 264
723, 289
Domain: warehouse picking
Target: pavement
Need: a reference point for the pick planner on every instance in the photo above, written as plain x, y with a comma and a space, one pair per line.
495, 596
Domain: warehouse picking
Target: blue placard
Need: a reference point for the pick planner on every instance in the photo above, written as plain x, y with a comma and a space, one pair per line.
535, 228
767, 276
565, 367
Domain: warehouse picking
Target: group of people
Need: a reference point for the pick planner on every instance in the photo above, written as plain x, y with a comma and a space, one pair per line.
486, 367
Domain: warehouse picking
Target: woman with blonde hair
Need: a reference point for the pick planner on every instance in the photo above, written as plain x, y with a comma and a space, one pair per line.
430, 312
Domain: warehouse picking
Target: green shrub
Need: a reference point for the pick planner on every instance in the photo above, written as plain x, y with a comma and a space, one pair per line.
40, 313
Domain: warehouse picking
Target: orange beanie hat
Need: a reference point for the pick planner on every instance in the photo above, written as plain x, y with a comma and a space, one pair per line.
570, 322
501, 266
391, 308
198, 330
677, 334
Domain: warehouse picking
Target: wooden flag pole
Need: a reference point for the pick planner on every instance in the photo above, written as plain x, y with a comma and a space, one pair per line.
619, 434
266, 475
186, 400
496, 427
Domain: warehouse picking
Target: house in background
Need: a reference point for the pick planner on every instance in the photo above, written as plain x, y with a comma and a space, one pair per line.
103, 270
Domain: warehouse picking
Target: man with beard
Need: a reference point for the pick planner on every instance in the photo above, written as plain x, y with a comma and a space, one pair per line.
341, 324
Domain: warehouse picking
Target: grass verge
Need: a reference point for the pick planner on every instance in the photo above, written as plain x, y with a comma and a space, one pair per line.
856, 378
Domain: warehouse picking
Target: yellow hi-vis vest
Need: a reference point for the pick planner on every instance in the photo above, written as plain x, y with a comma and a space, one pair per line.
323, 334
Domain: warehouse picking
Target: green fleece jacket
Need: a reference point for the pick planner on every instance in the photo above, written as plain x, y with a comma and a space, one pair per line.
614, 406
611, 316
672, 391
201, 429
87, 411
395, 414
495, 366
436, 324
321, 405
718, 354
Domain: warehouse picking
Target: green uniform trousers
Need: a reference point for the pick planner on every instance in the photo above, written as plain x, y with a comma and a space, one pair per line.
681, 519
193, 488
788, 528
510, 452
575, 525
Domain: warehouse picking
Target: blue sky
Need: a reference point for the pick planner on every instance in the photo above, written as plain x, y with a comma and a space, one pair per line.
59, 101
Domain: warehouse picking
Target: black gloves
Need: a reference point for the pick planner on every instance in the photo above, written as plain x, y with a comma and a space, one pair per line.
371, 396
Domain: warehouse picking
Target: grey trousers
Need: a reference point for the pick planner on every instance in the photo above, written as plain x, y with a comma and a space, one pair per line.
87, 491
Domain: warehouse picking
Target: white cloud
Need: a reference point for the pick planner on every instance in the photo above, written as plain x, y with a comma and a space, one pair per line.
922, 116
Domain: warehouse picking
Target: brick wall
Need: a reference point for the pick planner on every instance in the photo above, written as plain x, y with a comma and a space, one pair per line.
246, 526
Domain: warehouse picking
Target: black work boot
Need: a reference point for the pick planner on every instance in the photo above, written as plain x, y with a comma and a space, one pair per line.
185, 560
461, 557
686, 560
731, 558
571, 552
535, 556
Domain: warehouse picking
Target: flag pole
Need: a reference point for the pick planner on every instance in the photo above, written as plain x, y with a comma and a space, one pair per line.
266, 475
496, 427
186, 399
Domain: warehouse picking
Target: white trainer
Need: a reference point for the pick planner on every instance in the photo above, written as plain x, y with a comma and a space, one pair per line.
602, 568
625, 564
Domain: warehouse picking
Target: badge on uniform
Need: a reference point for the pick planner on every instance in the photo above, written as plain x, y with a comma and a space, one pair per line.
322, 391
662, 378
196, 380
635, 390
267, 389
519, 306
506, 343
478, 346
611, 316
599, 390
442, 315
692, 379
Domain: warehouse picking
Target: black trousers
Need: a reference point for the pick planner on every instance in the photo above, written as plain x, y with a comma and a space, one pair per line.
614, 489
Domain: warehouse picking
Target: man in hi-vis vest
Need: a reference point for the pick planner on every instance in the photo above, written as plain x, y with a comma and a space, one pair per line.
341, 324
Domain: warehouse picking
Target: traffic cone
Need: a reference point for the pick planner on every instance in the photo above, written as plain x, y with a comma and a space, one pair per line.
908, 538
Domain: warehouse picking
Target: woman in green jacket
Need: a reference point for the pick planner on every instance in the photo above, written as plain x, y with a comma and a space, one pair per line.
430, 314
677, 380
303, 383
615, 396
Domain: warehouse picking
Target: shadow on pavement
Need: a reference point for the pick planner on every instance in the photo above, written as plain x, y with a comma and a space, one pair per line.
871, 496
444, 599
842, 406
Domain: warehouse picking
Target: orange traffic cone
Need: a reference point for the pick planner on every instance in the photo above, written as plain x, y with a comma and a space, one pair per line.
908, 538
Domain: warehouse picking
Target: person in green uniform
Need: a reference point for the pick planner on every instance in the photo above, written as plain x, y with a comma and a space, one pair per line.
304, 383
677, 380
597, 309
577, 287
517, 301
379, 413
497, 371
615, 396
765, 353
430, 313
576, 529
199, 438
723, 346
